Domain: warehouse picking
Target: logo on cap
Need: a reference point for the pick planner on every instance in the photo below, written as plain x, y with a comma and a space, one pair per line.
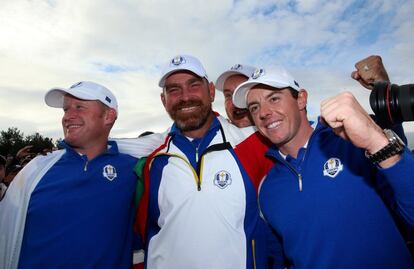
177, 60
236, 67
75, 85
107, 99
258, 73
297, 84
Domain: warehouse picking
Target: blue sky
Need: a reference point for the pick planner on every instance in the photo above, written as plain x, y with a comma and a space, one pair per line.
122, 44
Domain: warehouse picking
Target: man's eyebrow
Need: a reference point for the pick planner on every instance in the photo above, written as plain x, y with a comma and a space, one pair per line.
252, 103
170, 85
195, 79
189, 81
272, 93
267, 96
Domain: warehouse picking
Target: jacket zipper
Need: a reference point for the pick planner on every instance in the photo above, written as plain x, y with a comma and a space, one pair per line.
198, 176
195, 174
254, 253
299, 175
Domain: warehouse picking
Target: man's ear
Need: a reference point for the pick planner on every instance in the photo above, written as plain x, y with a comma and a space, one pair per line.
110, 116
302, 99
212, 91
162, 98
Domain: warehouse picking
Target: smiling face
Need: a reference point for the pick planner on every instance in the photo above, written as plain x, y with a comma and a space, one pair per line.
279, 116
187, 99
239, 117
86, 124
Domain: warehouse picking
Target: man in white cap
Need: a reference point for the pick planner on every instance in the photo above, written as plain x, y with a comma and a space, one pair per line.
73, 208
341, 186
199, 208
255, 146
227, 82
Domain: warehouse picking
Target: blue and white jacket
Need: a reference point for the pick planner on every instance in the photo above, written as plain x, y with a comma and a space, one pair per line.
331, 208
202, 207
64, 211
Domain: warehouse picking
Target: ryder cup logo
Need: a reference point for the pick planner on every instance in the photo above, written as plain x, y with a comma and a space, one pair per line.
332, 167
236, 67
258, 73
222, 179
177, 60
109, 172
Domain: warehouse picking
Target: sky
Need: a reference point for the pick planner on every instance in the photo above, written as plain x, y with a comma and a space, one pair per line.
123, 44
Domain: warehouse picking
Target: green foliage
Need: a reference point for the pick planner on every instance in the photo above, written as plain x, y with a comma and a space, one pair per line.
12, 140
39, 142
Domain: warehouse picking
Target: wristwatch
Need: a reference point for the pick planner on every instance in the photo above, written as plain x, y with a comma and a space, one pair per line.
395, 146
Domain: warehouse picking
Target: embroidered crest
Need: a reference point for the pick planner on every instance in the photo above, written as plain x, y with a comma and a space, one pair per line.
236, 67
177, 60
222, 179
109, 172
332, 167
258, 73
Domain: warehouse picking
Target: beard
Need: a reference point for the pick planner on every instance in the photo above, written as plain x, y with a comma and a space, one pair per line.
190, 121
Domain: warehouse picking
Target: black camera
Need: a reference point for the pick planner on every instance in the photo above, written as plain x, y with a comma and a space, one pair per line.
391, 103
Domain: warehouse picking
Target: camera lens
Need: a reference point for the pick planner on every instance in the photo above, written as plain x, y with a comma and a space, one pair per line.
392, 103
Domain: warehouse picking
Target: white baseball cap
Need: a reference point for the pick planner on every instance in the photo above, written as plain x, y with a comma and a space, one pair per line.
237, 69
84, 90
182, 62
279, 79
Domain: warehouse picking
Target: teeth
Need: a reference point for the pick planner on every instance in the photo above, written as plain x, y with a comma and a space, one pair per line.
239, 112
188, 108
273, 125
72, 126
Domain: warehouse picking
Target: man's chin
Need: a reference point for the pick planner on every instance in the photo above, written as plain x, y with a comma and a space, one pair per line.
71, 140
242, 122
188, 125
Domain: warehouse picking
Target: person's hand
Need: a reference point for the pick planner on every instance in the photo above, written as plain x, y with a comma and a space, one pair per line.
350, 121
25, 151
370, 70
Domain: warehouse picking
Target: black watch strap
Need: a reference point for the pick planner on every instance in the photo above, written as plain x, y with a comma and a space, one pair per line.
395, 146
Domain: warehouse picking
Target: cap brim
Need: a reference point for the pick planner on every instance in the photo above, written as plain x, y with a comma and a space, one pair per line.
222, 78
240, 94
55, 96
161, 83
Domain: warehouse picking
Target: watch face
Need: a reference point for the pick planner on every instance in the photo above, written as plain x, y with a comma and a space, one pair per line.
393, 137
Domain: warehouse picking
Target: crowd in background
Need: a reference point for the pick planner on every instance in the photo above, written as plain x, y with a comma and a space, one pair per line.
11, 165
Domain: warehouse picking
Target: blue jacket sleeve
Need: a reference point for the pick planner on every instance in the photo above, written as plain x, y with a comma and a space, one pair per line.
400, 178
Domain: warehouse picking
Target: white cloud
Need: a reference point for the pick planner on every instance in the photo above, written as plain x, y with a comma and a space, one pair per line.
57, 43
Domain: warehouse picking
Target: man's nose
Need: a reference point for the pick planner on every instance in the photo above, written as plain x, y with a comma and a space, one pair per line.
185, 93
264, 111
69, 113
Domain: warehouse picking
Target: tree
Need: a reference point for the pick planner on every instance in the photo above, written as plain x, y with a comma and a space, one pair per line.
39, 142
12, 140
